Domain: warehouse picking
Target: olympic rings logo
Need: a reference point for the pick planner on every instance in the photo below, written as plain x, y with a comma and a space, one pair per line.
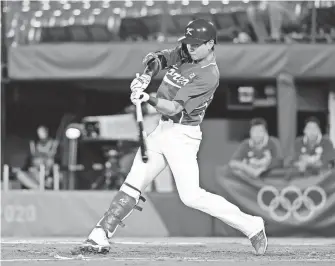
291, 202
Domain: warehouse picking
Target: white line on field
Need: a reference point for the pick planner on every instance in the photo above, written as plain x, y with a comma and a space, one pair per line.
162, 259
39, 242
176, 241
153, 243
159, 243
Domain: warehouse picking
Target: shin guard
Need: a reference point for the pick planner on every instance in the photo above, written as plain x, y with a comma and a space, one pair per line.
122, 205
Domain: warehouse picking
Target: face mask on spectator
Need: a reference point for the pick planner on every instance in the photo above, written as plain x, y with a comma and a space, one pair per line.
258, 134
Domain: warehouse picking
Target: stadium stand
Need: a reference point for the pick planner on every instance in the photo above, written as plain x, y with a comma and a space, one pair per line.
30, 22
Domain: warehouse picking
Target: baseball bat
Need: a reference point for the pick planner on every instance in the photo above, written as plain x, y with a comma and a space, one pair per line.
151, 69
139, 119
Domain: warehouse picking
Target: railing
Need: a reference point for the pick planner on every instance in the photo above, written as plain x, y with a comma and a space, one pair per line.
41, 177
66, 180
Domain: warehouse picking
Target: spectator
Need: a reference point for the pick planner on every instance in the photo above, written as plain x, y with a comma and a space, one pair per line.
312, 152
276, 14
258, 154
112, 176
42, 152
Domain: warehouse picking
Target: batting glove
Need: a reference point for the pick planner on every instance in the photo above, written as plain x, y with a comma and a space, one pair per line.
148, 57
139, 96
140, 82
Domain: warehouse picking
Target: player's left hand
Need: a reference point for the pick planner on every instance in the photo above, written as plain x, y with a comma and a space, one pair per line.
141, 82
139, 95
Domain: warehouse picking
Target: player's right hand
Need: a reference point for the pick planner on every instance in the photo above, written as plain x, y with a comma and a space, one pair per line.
139, 96
140, 82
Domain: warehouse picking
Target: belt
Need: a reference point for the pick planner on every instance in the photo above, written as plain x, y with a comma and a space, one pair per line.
165, 118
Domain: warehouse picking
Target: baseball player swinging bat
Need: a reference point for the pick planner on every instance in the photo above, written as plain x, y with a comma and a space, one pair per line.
183, 96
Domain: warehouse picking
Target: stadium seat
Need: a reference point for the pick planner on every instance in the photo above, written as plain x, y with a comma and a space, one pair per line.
31, 22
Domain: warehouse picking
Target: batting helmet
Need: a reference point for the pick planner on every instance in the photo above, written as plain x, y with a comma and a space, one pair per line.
199, 31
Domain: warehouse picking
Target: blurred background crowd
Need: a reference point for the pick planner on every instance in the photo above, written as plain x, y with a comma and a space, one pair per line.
31, 22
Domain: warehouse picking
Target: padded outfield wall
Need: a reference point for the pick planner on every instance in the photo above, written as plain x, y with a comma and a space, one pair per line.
40, 214
74, 213
123, 60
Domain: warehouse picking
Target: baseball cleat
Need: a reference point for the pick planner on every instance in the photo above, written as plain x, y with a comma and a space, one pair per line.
97, 242
89, 246
260, 242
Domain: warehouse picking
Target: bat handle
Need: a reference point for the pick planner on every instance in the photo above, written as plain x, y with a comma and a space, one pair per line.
144, 152
139, 118
139, 114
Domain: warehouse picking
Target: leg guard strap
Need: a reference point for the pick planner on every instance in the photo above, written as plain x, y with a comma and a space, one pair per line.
134, 188
121, 206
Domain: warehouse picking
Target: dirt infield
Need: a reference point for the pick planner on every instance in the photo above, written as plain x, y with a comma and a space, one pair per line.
170, 252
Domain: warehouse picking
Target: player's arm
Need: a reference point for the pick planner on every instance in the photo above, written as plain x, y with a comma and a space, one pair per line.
154, 63
165, 58
190, 97
163, 106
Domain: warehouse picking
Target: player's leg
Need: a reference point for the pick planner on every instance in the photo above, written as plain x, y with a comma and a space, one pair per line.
184, 166
127, 198
124, 202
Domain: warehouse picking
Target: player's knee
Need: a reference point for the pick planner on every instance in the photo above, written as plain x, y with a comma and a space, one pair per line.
192, 198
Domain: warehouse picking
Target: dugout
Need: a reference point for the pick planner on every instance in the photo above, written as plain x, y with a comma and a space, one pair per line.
288, 81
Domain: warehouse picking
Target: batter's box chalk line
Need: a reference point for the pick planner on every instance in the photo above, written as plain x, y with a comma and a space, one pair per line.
59, 257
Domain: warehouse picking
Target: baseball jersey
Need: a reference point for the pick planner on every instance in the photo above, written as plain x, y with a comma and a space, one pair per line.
269, 154
192, 85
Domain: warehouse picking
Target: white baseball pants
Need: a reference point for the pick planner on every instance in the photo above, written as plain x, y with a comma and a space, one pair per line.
177, 145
